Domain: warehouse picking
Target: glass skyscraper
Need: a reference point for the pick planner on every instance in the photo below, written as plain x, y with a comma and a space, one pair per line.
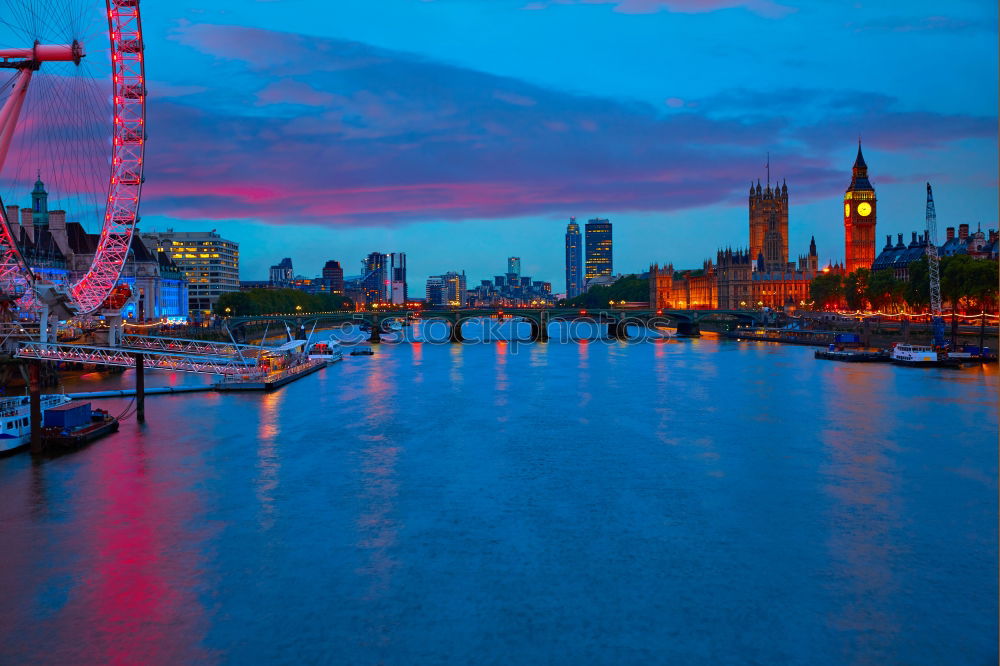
598, 242
574, 259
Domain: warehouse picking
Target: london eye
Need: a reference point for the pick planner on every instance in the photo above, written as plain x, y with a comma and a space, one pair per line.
72, 113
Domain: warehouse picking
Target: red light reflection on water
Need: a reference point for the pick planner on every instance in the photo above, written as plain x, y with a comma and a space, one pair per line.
138, 603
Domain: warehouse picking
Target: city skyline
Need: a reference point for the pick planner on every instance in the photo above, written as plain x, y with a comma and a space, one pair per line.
526, 141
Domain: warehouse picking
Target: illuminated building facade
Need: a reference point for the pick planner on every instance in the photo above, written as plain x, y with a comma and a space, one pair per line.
859, 218
683, 290
210, 264
734, 273
574, 259
446, 290
758, 276
383, 278
375, 278
598, 260
769, 225
514, 265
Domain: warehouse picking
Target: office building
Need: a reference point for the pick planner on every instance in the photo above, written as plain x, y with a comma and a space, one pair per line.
209, 262
333, 277
598, 260
574, 259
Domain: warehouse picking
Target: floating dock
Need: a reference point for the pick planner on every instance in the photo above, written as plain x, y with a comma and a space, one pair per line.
854, 356
272, 381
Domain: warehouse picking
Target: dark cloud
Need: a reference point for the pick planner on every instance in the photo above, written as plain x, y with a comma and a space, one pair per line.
326, 131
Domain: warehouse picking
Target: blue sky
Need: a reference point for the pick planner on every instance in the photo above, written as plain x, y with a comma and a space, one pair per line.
464, 131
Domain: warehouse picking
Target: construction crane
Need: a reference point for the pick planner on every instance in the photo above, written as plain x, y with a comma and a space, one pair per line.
934, 269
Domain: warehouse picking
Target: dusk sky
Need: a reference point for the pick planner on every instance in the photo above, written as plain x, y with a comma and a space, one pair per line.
464, 131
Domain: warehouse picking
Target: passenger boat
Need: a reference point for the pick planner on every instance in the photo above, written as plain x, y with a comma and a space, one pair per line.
362, 351
921, 356
70, 426
328, 351
15, 419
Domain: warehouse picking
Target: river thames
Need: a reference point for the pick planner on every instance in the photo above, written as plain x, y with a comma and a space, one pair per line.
691, 501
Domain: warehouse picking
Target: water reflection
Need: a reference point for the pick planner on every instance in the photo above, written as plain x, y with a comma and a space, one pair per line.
268, 461
378, 527
861, 484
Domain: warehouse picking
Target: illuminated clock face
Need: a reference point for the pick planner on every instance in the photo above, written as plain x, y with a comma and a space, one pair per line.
847, 210
865, 209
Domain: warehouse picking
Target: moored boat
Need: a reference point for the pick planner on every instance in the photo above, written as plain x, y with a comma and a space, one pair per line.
853, 355
70, 426
329, 351
15, 419
921, 356
362, 351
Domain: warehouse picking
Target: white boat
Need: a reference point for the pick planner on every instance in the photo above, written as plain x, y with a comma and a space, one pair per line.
328, 351
15, 419
915, 355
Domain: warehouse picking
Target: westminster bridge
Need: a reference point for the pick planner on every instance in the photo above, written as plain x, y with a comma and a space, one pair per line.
687, 322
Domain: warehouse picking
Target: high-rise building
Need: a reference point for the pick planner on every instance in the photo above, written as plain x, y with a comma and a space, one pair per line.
769, 226
333, 277
210, 264
375, 278
383, 277
859, 218
514, 265
455, 284
574, 259
447, 289
435, 292
599, 249
281, 274
397, 278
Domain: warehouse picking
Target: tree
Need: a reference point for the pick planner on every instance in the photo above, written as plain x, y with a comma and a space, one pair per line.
827, 290
277, 301
918, 287
982, 278
854, 288
629, 288
884, 291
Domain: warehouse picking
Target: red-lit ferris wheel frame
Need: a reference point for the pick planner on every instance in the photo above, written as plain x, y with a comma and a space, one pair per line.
128, 146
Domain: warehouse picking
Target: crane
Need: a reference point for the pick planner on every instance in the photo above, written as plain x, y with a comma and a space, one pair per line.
934, 269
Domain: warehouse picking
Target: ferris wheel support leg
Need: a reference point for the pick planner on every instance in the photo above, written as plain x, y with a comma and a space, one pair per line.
11, 111
43, 323
114, 330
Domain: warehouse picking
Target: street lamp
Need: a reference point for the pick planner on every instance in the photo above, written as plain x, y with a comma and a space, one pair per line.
229, 311
298, 308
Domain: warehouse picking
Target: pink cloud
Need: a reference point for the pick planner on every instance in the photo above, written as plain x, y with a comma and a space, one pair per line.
382, 138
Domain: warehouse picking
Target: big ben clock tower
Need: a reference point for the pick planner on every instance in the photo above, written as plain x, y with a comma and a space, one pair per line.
859, 218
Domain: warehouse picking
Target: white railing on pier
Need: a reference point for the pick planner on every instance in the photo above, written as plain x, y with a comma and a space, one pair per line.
125, 357
185, 346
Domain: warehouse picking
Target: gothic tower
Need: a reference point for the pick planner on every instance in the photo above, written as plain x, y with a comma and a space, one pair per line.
859, 218
769, 225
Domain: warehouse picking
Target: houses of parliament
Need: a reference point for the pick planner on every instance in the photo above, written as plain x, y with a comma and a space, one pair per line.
761, 275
